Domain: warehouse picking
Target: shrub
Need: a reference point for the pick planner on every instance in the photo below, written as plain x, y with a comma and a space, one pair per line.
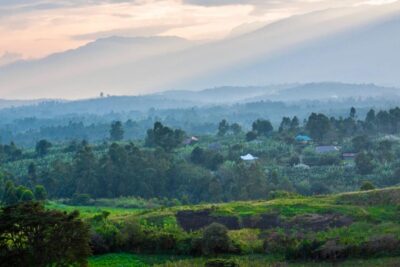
278, 243
221, 263
367, 185
332, 250
40, 193
80, 199
381, 245
130, 235
215, 239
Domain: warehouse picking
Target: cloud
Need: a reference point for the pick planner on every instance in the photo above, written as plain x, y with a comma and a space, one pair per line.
127, 32
9, 57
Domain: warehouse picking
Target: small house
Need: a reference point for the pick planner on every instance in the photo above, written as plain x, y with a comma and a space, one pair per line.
326, 149
249, 157
348, 156
302, 166
190, 140
304, 139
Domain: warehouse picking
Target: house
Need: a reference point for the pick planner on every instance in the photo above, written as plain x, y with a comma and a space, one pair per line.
348, 156
191, 140
326, 149
302, 166
249, 157
303, 139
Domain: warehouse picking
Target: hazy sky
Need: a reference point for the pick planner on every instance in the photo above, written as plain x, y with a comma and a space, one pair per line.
35, 28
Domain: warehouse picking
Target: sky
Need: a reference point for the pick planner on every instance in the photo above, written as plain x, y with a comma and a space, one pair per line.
36, 28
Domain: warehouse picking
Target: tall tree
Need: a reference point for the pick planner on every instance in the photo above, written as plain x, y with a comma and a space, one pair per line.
42, 147
262, 127
116, 131
318, 126
223, 128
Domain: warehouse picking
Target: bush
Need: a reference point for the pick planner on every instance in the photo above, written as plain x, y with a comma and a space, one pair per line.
367, 185
278, 243
382, 245
332, 250
215, 239
130, 235
221, 263
80, 199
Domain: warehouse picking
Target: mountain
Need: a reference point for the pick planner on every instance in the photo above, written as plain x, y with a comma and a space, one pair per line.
329, 91
353, 45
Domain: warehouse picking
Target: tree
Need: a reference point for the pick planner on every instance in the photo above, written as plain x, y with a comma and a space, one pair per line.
116, 131
353, 113
32, 176
367, 185
262, 127
223, 128
318, 126
215, 239
40, 193
84, 171
294, 125
42, 147
250, 136
236, 128
164, 137
10, 194
285, 124
364, 163
27, 195
361, 143
33, 236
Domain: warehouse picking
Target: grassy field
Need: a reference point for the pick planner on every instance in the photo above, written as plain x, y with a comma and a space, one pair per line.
373, 214
130, 260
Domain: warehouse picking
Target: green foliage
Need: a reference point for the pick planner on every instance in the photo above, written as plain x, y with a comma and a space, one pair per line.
223, 128
42, 147
262, 127
40, 193
164, 137
10, 194
116, 131
32, 236
318, 126
364, 163
221, 263
215, 239
367, 185
27, 195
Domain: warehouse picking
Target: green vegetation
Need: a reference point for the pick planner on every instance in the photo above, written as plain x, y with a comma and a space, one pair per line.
263, 196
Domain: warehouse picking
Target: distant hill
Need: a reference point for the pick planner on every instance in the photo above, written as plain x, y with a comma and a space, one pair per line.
212, 97
18, 103
329, 91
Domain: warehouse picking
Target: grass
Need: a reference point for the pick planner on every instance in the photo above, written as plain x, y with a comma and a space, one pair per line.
375, 216
129, 260
90, 211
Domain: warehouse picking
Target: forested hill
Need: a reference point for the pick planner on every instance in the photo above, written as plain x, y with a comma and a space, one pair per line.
197, 112
213, 96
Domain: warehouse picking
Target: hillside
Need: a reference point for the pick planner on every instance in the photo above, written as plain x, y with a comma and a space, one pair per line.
337, 229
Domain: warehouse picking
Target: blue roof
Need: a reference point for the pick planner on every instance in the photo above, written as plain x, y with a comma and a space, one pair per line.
302, 138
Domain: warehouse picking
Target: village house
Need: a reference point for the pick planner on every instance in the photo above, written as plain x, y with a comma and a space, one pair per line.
326, 149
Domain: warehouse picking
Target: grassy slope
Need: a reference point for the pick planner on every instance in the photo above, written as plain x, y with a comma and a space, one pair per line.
374, 212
